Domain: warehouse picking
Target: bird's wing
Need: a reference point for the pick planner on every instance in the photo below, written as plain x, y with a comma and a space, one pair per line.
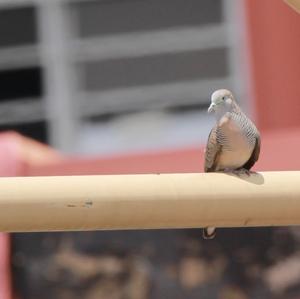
255, 154
212, 152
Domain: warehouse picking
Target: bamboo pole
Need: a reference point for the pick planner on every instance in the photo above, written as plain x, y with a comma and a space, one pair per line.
149, 201
295, 4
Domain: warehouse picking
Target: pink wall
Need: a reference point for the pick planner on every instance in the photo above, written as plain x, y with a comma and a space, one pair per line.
274, 39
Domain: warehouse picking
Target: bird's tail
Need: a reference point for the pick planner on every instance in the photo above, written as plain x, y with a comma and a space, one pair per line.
209, 232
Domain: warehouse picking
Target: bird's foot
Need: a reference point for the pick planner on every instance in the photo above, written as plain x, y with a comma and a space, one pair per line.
239, 172
242, 171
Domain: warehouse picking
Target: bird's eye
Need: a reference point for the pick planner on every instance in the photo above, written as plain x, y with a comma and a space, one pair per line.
223, 98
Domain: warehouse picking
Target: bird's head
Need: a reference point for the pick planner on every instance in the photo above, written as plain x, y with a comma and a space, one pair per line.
222, 101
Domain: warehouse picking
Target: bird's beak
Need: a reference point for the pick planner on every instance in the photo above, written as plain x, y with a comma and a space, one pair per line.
211, 108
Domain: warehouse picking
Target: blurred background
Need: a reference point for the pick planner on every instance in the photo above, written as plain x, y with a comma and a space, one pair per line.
123, 86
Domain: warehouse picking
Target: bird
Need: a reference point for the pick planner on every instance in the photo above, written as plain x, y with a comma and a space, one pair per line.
233, 143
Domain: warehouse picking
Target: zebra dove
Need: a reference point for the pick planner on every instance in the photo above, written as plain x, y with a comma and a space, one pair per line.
234, 142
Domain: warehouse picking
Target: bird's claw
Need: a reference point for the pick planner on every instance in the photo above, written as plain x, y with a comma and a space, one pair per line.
239, 172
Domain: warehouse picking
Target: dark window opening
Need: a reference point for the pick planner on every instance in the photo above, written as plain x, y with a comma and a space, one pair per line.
35, 130
18, 26
110, 17
155, 69
20, 83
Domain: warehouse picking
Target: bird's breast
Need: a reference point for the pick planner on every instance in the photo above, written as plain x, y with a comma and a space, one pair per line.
236, 147
233, 159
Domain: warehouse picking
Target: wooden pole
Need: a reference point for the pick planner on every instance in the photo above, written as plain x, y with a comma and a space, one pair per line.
149, 201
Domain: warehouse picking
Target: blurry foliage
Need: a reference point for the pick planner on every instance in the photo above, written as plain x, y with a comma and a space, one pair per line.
168, 264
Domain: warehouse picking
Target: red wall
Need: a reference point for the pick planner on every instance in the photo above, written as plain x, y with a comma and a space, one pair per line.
17, 154
279, 149
274, 40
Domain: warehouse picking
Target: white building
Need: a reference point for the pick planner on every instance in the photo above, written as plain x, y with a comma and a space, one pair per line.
114, 76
